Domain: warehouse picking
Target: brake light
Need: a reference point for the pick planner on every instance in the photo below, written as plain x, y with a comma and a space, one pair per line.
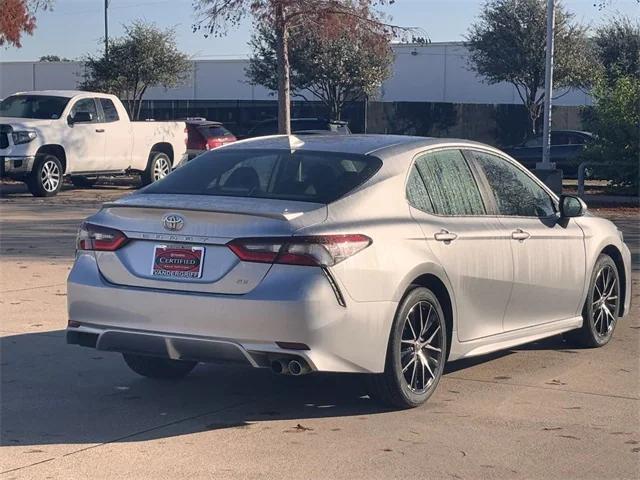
214, 143
317, 251
95, 237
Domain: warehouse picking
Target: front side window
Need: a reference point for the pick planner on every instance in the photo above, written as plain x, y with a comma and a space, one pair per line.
515, 192
450, 183
309, 176
87, 105
109, 110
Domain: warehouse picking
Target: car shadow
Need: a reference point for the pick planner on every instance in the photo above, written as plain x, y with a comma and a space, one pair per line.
54, 393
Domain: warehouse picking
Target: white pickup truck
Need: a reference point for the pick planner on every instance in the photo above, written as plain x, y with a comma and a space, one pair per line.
48, 135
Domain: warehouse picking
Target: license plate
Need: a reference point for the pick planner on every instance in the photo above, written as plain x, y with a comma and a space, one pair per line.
181, 261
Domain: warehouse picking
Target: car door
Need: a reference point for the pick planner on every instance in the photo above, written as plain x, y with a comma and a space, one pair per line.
84, 142
118, 140
548, 252
470, 245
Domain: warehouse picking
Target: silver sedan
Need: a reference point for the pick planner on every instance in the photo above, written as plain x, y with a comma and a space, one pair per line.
383, 255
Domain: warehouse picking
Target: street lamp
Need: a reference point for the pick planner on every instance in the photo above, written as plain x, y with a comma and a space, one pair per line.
546, 170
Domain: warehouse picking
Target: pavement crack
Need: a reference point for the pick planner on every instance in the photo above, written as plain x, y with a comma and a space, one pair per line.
32, 288
607, 395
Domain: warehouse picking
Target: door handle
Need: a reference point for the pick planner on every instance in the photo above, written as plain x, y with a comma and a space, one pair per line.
520, 234
445, 236
99, 130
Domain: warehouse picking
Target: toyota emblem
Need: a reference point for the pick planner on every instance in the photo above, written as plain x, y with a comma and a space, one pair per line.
173, 222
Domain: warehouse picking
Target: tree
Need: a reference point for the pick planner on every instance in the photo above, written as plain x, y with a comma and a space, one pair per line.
507, 44
337, 61
53, 58
144, 57
18, 17
614, 121
284, 16
617, 47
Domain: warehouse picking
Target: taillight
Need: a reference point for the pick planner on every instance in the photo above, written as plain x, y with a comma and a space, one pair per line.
214, 143
317, 251
95, 237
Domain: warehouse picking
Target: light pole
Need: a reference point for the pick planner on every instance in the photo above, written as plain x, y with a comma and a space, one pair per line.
106, 30
545, 169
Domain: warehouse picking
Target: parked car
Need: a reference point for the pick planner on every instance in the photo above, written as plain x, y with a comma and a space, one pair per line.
48, 135
566, 145
382, 255
301, 126
204, 135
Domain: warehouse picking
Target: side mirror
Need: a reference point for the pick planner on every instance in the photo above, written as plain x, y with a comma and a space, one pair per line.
571, 206
80, 117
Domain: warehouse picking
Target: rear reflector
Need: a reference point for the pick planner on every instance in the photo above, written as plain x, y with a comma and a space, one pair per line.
95, 237
316, 251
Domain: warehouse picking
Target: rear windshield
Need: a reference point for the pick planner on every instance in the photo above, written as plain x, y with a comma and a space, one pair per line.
42, 107
209, 131
307, 176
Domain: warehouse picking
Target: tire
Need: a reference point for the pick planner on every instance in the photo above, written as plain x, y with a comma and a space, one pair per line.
156, 367
83, 182
415, 385
45, 180
158, 167
602, 306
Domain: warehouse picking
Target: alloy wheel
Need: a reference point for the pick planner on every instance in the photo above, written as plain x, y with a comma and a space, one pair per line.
161, 168
605, 301
421, 347
50, 176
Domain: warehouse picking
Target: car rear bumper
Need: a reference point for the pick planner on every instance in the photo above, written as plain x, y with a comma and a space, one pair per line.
291, 305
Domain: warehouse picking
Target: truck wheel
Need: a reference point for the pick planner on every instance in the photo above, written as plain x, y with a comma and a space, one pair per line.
155, 367
83, 182
159, 166
45, 179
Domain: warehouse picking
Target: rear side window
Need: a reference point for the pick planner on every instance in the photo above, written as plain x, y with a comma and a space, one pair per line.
417, 192
450, 183
109, 110
309, 176
515, 192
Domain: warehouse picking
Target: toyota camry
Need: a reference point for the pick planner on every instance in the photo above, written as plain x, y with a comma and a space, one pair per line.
374, 254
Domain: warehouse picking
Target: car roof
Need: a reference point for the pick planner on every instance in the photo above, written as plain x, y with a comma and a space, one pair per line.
203, 122
65, 93
579, 132
381, 145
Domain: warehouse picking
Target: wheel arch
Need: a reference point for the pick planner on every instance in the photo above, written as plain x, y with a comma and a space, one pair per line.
616, 256
440, 290
163, 147
57, 150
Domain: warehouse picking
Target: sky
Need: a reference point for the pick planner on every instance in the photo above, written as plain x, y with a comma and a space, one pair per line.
75, 27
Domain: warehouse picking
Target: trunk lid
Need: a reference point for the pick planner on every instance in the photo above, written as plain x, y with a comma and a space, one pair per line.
206, 221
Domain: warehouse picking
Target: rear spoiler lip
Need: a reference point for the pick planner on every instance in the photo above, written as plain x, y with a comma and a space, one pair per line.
276, 216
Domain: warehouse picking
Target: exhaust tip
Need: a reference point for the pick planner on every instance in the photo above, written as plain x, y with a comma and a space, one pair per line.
296, 368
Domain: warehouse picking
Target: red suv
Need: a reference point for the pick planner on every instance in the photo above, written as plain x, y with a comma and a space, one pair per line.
203, 135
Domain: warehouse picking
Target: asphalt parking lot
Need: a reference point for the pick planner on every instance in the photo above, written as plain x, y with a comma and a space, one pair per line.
544, 410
